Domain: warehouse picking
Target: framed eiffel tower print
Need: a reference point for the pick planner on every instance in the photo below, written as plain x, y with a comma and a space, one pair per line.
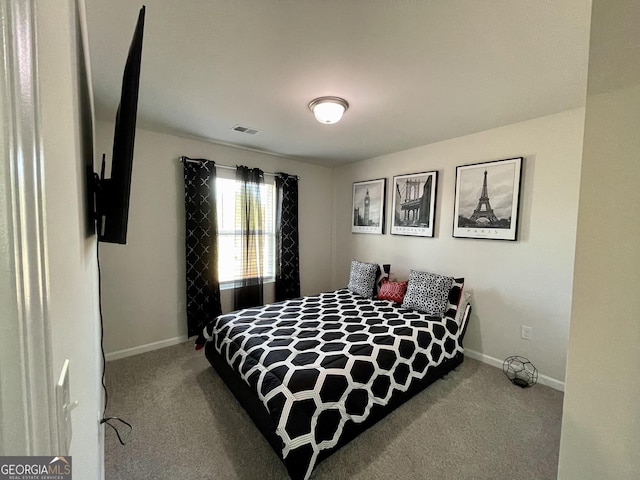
487, 200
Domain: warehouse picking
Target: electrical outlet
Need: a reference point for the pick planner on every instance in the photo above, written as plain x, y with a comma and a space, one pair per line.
526, 333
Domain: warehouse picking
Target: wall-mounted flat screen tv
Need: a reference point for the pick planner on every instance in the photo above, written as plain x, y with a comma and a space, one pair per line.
112, 194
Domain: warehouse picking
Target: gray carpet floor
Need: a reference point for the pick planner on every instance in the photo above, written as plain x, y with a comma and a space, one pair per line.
186, 425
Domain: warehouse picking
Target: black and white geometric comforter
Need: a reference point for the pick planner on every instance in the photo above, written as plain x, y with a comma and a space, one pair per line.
319, 362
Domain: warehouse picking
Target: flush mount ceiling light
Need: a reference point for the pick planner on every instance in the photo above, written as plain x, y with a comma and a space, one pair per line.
328, 110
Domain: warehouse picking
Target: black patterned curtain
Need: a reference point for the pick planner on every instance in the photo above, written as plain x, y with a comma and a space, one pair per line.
249, 244
201, 240
287, 245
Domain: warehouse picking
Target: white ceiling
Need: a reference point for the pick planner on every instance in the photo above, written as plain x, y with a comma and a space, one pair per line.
414, 72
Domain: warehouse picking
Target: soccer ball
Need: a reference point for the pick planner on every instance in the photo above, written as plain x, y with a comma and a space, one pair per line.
520, 371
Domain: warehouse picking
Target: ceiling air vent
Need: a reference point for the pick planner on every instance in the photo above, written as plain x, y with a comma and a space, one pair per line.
247, 130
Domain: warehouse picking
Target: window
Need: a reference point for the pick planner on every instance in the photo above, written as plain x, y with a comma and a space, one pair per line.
228, 261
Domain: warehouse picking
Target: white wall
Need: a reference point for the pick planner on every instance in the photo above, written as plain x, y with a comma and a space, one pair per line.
514, 283
600, 425
71, 260
143, 281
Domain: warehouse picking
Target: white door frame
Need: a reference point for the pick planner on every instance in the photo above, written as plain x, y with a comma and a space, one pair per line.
27, 400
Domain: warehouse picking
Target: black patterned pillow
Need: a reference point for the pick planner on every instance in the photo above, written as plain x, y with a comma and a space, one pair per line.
362, 278
454, 297
427, 292
382, 272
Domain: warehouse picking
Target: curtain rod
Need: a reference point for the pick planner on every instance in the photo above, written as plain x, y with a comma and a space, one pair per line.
200, 160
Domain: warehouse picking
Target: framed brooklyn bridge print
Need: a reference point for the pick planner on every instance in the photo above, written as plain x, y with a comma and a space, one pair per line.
368, 206
487, 200
414, 203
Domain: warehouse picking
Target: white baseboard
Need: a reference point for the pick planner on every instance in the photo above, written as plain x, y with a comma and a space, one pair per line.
494, 362
128, 352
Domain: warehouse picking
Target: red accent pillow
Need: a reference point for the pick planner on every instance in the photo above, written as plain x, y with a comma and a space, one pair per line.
393, 291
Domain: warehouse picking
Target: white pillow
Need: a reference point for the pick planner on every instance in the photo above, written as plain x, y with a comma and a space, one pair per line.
465, 298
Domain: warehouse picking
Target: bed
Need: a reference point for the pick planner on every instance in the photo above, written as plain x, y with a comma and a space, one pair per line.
316, 371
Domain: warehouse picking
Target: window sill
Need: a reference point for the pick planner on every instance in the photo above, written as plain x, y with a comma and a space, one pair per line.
228, 285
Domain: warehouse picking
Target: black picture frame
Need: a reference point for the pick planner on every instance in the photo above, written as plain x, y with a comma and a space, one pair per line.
368, 212
414, 204
487, 200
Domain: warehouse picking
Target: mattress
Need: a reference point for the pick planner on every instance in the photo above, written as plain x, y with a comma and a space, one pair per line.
316, 371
